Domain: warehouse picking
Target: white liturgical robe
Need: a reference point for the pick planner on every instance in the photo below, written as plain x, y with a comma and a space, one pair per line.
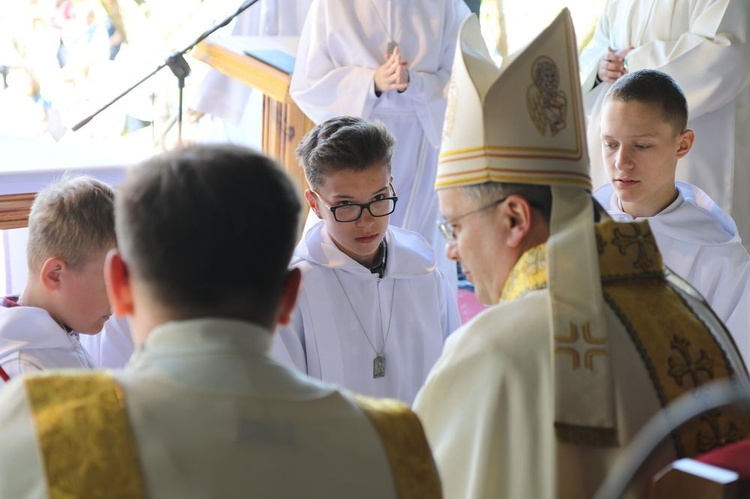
410, 309
212, 415
703, 45
341, 46
699, 242
488, 406
31, 340
111, 348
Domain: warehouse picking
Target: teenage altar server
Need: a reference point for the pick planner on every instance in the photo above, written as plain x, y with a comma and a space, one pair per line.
71, 229
587, 336
373, 310
386, 60
644, 138
704, 46
202, 410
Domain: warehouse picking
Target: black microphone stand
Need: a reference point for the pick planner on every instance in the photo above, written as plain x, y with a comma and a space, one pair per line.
179, 67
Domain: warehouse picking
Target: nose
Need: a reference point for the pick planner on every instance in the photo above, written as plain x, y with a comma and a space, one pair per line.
451, 251
365, 219
623, 159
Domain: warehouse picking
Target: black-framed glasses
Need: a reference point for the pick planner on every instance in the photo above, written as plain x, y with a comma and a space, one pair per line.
448, 230
353, 211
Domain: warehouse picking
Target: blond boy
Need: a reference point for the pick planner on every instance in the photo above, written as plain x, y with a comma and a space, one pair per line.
71, 229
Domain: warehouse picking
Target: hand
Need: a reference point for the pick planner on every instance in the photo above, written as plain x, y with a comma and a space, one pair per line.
611, 65
392, 75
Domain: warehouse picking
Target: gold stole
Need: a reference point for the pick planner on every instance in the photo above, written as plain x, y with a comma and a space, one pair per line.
679, 351
409, 454
86, 441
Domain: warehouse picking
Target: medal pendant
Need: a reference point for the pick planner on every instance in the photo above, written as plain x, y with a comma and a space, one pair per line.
378, 367
391, 47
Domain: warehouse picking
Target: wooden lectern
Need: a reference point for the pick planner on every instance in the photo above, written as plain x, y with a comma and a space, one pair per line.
265, 63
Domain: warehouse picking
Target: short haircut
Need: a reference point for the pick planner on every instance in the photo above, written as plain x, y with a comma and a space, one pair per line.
72, 219
211, 230
344, 143
538, 196
649, 86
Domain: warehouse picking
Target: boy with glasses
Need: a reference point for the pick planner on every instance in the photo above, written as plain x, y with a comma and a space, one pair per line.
373, 309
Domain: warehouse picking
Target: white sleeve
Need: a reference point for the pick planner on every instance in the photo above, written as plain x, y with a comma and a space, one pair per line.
322, 87
593, 52
711, 62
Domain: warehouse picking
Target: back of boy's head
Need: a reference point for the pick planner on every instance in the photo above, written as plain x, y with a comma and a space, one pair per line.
210, 229
344, 143
649, 86
72, 219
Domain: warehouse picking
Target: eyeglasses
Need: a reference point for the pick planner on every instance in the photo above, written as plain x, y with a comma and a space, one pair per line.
446, 226
353, 211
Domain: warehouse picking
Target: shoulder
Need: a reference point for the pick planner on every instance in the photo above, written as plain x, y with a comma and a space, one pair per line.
49, 390
387, 411
409, 254
405, 445
10, 318
29, 327
61, 399
604, 196
22, 470
505, 333
697, 220
79, 412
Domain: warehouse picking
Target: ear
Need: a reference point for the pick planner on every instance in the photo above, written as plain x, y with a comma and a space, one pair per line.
51, 273
518, 220
312, 200
687, 138
289, 296
119, 286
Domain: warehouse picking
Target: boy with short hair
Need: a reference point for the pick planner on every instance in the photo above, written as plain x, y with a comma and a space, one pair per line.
201, 410
644, 135
71, 229
373, 309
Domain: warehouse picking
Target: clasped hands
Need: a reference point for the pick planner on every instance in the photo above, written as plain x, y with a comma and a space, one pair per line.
612, 64
392, 75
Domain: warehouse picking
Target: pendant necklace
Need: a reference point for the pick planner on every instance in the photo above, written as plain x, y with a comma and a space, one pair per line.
378, 363
392, 43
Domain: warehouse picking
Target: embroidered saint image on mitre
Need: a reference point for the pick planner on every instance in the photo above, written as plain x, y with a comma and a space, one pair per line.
524, 123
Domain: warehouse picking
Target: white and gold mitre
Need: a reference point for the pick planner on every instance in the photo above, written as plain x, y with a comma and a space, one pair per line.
521, 123
524, 123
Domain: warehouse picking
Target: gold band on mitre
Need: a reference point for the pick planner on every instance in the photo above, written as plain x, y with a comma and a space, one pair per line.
524, 123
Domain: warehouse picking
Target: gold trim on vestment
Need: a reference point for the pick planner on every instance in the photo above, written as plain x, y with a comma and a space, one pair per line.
409, 454
85, 439
529, 273
677, 348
